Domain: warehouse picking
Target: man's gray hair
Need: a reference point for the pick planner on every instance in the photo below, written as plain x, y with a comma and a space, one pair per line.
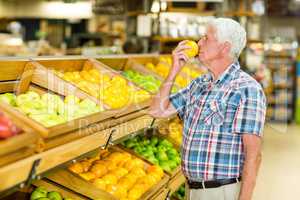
228, 30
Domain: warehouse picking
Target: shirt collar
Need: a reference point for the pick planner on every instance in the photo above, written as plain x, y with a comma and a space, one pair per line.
227, 75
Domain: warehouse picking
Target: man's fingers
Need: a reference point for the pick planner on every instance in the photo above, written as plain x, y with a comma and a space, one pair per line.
182, 42
180, 48
182, 56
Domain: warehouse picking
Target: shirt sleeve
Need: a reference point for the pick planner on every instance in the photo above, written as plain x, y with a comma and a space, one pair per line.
251, 111
179, 101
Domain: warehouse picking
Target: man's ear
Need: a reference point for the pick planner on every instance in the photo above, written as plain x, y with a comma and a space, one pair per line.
226, 48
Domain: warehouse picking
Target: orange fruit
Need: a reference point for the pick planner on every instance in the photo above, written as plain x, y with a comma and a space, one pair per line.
109, 179
99, 183
136, 192
86, 165
138, 172
119, 172
194, 49
87, 176
77, 168
99, 170
111, 188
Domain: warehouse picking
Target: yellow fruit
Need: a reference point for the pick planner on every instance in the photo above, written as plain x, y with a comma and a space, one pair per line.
99, 183
86, 165
76, 168
194, 49
136, 192
87, 176
99, 170
110, 179
139, 172
119, 172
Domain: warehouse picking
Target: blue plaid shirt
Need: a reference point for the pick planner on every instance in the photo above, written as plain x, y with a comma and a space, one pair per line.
216, 114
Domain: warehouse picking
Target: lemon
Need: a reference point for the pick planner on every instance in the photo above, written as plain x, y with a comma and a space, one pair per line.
194, 49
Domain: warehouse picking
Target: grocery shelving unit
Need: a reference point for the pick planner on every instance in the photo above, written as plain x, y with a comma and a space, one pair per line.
48, 155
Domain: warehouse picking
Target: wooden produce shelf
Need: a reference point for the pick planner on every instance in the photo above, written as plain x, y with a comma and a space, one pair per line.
161, 195
66, 193
64, 153
27, 83
176, 182
18, 146
74, 182
78, 64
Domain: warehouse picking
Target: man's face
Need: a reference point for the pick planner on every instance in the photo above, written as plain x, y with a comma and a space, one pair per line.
210, 48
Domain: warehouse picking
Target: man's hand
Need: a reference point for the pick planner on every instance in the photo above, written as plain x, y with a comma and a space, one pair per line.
252, 150
161, 106
179, 58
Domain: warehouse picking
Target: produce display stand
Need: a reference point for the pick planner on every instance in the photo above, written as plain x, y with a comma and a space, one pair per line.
76, 183
75, 64
131, 63
149, 133
58, 188
51, 149
59, 155
176, 182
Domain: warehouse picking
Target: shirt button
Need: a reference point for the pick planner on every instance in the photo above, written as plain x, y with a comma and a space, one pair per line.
213, 107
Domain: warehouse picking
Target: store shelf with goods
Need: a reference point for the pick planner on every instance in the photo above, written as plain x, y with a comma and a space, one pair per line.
155, 149
59, 155
112, 174
100, 82
137, 73
38, 106
49, 189
17, 140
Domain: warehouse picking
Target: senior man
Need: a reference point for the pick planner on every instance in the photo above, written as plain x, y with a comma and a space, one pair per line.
223, 114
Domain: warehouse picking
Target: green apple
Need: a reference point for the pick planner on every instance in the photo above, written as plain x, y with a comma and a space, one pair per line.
87, 104
43, 198
165, 165
33, 95
8, 98
54, 196
71, 99
22, 98
161, 156
38, 193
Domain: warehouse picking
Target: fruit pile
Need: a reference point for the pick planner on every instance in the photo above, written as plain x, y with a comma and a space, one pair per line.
179, 194
164, 65
49, 109
41, 193
7, 128
115, 91
118, 173
156, 150
175, 130
147, 82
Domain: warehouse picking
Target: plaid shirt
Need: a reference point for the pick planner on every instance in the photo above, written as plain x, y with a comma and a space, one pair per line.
216, 114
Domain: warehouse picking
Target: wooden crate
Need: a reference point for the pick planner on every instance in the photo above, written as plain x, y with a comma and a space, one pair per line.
161, 195
176, 182
49, 186
18, 146
43, 66
17, 172
76, 183
11, 69
156, 133
122, 64
61, 88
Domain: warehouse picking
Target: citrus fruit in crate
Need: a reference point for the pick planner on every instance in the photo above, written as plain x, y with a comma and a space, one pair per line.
156, 150
114, 90
126, 180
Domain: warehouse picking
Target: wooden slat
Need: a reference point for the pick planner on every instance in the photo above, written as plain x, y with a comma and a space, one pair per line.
75, 183
20, 117
161, 195
17, 142
176, 182
65, 193
15, 156
11, 69
8, 86
26, 78
63, 64
17, 172
114, 63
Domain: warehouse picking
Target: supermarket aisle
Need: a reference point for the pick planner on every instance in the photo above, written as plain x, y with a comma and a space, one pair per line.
280, 170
